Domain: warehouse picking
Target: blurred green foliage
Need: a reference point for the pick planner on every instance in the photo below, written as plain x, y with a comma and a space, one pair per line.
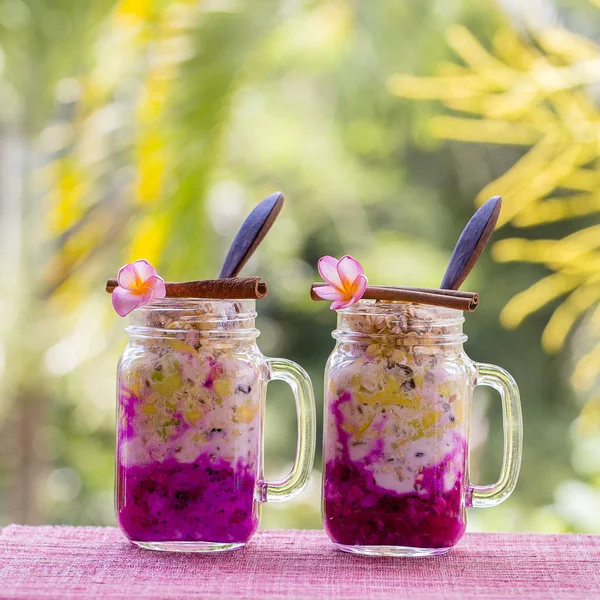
140, 128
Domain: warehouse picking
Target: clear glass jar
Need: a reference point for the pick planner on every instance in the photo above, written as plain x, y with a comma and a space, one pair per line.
191, 399
398, 392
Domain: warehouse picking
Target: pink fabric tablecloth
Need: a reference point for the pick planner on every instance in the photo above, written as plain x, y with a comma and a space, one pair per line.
93, 562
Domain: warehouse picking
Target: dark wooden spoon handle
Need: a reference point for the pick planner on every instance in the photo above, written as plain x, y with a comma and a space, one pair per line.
471, 243
251, 234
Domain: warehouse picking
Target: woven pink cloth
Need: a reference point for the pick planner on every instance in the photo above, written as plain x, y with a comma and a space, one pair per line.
97, 562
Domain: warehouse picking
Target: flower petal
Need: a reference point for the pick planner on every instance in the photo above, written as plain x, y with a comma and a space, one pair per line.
348, 269
144, 269
328, 292
156, 285
128, 278
125, 301
340, 304
358, 287
138, 284
327, 266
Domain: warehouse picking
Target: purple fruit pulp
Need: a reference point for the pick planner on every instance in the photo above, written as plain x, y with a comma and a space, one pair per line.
357, 511
208, 500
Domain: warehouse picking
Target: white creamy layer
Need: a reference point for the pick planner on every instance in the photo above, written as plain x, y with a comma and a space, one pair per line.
399, 420
189, 404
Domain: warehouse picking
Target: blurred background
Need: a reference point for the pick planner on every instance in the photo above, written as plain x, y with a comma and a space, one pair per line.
150, 128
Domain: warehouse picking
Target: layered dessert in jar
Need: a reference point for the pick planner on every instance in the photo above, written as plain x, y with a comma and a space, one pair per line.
190, 389
397, 394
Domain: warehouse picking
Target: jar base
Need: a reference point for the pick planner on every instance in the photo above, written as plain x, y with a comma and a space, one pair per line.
189, 546
406, 551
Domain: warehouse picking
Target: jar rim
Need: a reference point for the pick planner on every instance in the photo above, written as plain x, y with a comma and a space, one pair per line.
429, 339
173, 317
181, 305
191, 303
420, 324
364, 307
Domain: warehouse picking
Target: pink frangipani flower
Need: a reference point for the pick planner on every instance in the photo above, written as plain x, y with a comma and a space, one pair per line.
345, 278
138, 285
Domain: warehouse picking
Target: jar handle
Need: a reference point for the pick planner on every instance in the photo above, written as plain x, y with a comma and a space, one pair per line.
295, 481
490, 495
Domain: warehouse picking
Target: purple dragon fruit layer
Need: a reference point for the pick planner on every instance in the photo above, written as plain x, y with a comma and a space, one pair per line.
359, 512
206, 500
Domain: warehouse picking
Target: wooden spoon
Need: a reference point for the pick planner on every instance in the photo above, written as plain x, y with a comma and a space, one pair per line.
251, 234
471, 243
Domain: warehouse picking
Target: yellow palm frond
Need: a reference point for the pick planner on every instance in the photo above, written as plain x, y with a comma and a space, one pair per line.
531, 91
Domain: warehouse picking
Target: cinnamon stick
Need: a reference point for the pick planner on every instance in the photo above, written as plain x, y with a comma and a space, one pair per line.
444, 292
466, 301
231, 288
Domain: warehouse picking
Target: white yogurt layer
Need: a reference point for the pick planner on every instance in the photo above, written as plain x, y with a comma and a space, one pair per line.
188, 402
398, 415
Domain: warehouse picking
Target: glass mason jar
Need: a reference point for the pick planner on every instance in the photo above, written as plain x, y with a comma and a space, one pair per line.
191, 402
398, 392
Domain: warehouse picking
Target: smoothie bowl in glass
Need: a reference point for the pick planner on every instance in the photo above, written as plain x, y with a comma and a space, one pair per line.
398, 392
191, 399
